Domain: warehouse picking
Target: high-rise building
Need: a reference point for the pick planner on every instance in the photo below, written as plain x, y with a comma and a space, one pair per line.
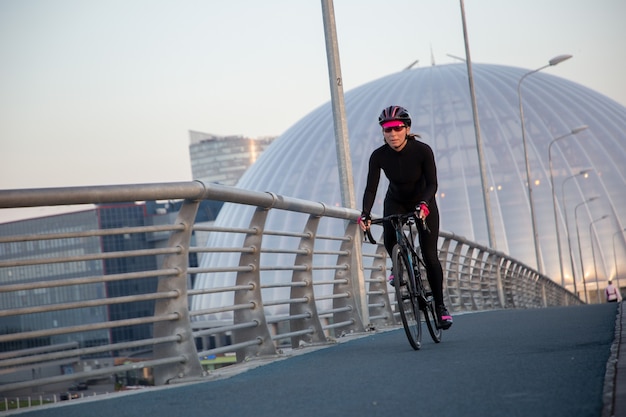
223, 159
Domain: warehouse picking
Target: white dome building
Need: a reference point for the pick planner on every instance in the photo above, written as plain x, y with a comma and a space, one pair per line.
302, 163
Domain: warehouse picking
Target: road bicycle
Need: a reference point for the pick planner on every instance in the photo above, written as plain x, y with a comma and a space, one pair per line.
413, 296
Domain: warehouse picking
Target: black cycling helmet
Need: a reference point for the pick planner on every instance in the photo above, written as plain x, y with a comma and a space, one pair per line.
392, 113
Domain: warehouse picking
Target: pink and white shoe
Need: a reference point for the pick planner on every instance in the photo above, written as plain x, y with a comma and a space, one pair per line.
445, 319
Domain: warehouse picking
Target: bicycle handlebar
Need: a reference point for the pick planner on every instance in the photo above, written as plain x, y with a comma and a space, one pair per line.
407, 218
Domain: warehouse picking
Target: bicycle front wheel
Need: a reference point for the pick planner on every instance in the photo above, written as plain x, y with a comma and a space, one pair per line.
406, 296
427, 304
431, 319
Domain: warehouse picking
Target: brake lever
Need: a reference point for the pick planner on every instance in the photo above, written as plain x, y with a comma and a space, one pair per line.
369, 237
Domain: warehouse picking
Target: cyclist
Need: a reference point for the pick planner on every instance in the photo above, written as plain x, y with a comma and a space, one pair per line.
410, 168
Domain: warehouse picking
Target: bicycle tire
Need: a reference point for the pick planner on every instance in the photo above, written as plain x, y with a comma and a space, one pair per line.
427, 305
406, 297
431, 319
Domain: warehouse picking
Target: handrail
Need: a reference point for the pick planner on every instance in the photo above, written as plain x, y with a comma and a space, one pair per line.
476, 278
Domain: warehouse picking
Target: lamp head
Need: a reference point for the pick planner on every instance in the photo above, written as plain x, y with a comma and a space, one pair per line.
558, 59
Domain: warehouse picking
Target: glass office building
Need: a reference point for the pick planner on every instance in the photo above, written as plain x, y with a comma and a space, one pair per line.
302, 163
64, 223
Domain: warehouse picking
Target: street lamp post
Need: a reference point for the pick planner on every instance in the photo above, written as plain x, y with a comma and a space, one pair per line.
580, 251
556, 221
479, 142
593, 254
569, 242
554, 61
342, 142
615, 256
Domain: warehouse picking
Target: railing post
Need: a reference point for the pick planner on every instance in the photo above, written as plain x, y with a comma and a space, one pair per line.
312, 321
378, 293
465, 280
496, 262
358, 314
486, 279
353, 230
455, 272
253, 296
191, 366
448, 274
479, 275
510, 293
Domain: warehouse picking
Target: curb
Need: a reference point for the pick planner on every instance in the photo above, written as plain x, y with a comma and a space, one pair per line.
614, 393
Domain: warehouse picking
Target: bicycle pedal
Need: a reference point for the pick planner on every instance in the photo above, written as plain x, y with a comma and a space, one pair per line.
393, 283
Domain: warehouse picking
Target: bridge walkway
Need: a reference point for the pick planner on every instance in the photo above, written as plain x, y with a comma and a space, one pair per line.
535, 362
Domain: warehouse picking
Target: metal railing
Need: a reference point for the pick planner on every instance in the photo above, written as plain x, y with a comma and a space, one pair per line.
322, 301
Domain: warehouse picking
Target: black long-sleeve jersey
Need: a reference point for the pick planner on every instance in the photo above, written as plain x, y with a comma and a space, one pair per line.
412, 174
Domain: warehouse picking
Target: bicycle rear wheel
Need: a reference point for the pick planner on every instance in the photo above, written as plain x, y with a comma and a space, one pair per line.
406, 298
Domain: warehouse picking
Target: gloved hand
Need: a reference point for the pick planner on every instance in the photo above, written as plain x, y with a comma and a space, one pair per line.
365, 221
422, 210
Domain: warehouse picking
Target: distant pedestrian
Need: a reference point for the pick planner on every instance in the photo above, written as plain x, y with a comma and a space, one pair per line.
612, 294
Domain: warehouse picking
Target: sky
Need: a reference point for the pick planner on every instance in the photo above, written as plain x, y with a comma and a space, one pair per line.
98, 92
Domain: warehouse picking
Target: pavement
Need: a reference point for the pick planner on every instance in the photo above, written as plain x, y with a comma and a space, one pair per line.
561, 361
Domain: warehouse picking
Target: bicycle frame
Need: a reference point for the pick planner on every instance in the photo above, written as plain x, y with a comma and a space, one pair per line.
408, 242
398, 221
